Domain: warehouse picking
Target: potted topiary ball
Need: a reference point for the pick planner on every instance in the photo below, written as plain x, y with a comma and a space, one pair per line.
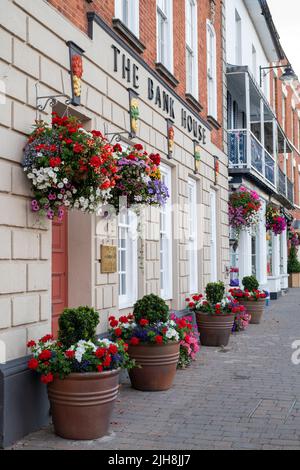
215, 314
82, 374
294, 268
253, 299
153, 340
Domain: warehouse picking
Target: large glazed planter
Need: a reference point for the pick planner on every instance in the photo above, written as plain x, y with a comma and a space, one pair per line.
82, 404
255, 308
158, 363
214, 330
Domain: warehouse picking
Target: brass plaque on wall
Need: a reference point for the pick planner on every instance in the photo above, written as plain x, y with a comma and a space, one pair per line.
108, 259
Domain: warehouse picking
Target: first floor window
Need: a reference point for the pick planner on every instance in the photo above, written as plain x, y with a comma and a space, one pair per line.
213, 236
127, 259
193, 249
165, 33
128, 12
211, 71
191, 44
166, 278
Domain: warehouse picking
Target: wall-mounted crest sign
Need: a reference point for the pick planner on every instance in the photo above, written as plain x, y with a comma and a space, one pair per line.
170, 137
108, 258
217, 169
197, 156
76, 71
134, 112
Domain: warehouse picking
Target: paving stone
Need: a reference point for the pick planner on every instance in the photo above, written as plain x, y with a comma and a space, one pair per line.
245, 399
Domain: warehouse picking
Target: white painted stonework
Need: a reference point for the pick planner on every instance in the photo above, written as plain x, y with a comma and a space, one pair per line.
37, 33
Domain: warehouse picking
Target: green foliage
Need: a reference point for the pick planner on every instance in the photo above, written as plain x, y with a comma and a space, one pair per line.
77, 324
293, 262
250, 283
215, 292
152, 308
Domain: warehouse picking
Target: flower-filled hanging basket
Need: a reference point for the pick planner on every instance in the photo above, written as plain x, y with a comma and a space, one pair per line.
275, 221
244, 206
68, 167
138, 178
294, 238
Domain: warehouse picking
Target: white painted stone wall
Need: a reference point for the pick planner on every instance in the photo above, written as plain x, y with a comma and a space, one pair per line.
34, 35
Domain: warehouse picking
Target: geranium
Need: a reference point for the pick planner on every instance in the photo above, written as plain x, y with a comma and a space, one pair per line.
189, 344
245, 294
84, 356
274, 220
241, 320
225, 307
68, 167
138, 178
244, 206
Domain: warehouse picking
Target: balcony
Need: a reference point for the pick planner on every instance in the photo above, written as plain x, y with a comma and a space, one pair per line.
257, 160
285, 187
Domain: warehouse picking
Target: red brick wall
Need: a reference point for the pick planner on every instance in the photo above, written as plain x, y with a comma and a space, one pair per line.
76, 10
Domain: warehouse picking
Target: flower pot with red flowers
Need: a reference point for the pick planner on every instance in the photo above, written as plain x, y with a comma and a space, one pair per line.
139, 179
68, 167
82, 375
215, 314
154, 342
253, 299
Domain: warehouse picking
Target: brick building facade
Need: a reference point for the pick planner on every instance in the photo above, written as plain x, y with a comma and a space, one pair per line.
34, 62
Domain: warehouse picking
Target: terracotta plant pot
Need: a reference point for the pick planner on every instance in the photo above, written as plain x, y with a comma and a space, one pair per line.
158, 366
82, 404
214, 330
256, 309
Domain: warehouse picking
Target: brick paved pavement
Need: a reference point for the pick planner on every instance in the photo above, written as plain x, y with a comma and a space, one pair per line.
246, 397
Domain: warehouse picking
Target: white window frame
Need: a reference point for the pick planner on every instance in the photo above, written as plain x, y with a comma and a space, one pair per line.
238, 39
191, 47
212, 105
127, 223
166, 236
213, 237
164, 43
193, 236
128, 12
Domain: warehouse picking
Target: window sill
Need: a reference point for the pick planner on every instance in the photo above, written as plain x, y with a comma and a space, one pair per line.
166, 74
193, 102
213, 122
128, 35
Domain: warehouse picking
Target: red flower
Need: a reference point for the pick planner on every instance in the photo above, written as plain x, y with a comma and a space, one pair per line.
155, 158
31, 344
46, 338
138, 146
123, 319
111, 317
97, 134
114, 323
134, 341
33, 364
95, 161
113, 349
158, 339
182, 323
100, 352
45, 355
100, 368
78, 148
118, 332
54, 161
47, 378
187, 299
192, 304
107, 361
68, 141
144, 322
70, 354
117, 148
105, 184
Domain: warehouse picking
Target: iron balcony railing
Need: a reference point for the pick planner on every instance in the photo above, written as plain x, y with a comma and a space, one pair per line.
259, 158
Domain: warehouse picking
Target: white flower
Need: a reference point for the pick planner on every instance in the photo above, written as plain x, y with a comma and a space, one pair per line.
172, 334
60, 196
67, 203
60, 185
65, 180
30, 176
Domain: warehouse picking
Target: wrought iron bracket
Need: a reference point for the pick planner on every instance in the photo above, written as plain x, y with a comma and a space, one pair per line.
43, 101
116, 136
